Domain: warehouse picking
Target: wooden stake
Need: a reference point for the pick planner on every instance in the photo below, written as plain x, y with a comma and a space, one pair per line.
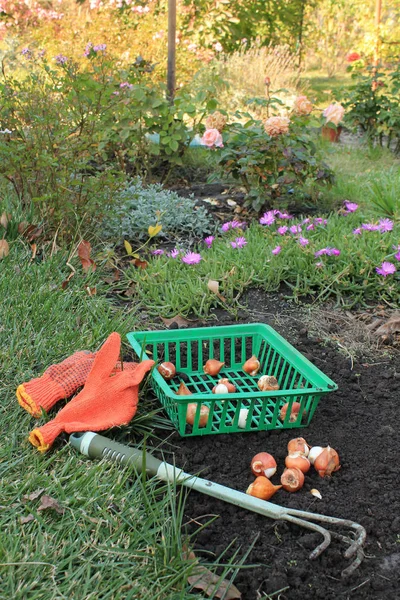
171, 50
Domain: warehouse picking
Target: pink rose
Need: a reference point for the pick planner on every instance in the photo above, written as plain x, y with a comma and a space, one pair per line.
302, 106
334, 113
212, 137
275, 126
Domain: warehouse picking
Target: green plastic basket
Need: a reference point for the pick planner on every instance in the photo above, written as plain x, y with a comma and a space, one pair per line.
299, 380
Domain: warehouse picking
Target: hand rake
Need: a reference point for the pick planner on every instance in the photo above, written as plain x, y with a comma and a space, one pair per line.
97, 446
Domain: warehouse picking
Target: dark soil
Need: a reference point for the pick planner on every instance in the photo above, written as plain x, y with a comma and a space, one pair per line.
360, 421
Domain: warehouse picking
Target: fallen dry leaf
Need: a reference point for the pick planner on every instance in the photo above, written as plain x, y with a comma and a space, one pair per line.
4, 248
47, 502
26, 519
31, 232
34, 251
84, 250
130, 291
33, 496
178, 320
4, 220
91, 291
141, 264
212, 585
67, 280
213, 286
389, 327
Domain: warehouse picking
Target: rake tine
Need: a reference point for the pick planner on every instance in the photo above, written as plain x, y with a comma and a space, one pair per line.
314, 527
355, 547
360, 532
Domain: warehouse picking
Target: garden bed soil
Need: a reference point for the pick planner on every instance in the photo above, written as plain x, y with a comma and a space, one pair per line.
360, 420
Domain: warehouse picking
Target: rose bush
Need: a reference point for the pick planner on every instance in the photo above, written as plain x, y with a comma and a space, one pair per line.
274, 160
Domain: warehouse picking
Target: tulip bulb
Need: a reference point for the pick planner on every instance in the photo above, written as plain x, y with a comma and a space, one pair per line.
251, 366
314, 452
221, 388
262, 488
298, 445
327, 462
294, 413
292, 479
229, 385
298, 461
183, 390
263, 464
213, 366
167, 370
268, 383
191, 412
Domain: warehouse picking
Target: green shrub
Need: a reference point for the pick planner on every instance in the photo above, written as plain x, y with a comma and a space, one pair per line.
372, 104
70, 134
137, 207
284, 171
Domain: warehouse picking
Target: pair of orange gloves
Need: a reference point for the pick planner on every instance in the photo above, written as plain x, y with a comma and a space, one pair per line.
109, 396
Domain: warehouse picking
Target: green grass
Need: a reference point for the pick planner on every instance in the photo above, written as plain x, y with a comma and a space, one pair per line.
368, 176
119, 536
321, 88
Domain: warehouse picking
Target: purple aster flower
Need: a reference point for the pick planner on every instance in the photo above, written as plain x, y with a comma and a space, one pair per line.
328, 251
125, 84
357, 231
321, 252
239, 242
396, 247
237, 224
226, 226
88, 48
282, 230
397, 256
158, 252
99, 48
295, 229
283, 215
370, 227
114, 93
276, 250
61, 59
310, 227
209, 240
174, 253
304, 221
191, 258
386, 268
267, 218
385, 225
303, 241
26, 52
350, 207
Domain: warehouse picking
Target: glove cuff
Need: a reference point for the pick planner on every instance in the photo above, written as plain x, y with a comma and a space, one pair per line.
42, 392
43, 437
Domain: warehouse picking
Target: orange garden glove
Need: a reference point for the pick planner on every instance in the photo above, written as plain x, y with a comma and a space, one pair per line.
58, 382
106, 400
